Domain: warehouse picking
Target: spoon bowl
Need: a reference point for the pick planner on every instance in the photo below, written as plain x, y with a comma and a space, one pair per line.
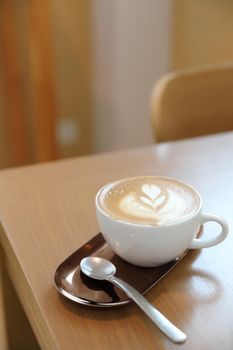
97, 268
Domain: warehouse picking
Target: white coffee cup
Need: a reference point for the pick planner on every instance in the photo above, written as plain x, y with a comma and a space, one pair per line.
152, 244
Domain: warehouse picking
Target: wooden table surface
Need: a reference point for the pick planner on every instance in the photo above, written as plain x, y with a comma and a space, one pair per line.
47, 211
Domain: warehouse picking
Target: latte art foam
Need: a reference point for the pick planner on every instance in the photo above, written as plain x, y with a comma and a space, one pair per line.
149, 200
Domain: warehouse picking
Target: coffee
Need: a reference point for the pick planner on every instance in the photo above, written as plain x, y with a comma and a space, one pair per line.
149, 220
149, 200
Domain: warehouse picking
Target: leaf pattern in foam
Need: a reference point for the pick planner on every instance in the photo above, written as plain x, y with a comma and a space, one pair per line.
146, 203
153, 196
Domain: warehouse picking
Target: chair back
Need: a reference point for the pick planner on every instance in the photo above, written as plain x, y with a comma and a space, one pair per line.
193, 102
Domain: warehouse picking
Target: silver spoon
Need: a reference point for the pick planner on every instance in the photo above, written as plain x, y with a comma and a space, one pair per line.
102, 269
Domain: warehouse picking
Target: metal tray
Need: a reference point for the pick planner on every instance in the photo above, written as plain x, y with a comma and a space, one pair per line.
74, 285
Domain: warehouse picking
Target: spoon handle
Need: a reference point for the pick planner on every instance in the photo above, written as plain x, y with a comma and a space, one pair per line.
169, 329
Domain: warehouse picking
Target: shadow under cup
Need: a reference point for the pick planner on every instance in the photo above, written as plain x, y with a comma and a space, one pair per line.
151, 245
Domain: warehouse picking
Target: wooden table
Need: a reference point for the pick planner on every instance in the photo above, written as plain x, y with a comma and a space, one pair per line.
47, 211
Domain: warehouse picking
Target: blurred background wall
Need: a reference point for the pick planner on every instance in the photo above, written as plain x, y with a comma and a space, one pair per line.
45, 82
76, 78
202, 32
132, 49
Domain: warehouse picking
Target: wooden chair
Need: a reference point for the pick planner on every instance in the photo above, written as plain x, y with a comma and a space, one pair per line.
193, 102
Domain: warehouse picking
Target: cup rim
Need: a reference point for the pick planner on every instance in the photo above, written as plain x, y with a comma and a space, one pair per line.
113, 218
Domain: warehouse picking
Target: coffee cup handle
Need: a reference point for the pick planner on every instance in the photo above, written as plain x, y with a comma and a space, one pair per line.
203, 242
